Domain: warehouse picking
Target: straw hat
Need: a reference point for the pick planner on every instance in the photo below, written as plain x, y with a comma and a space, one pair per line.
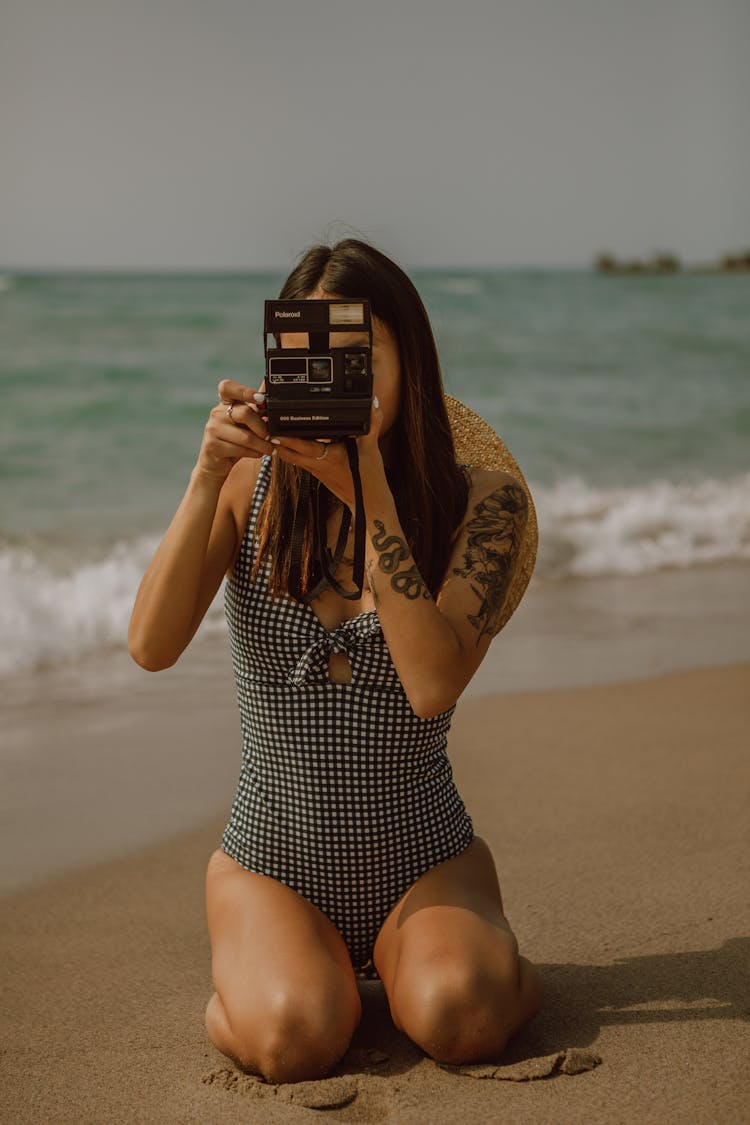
478, 446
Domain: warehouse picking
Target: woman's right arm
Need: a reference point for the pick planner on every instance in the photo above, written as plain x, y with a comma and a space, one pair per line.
203, 538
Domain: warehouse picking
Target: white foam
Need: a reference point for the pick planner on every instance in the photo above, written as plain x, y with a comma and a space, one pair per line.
586, 531
48, 616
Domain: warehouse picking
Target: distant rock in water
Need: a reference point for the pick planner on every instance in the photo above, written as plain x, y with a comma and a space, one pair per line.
666, 263
661, 262
736, 263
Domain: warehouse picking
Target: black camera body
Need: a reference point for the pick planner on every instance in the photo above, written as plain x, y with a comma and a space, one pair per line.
323, 388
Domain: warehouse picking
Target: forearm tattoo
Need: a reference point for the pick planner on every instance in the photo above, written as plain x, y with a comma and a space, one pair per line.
392, 551
495, 532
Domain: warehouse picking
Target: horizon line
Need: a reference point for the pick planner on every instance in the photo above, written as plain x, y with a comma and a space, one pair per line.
28, 270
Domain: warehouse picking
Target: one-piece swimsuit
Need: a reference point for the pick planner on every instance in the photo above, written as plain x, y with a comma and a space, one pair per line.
345, 794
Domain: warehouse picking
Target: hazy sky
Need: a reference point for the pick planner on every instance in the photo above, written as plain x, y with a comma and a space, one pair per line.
230, 133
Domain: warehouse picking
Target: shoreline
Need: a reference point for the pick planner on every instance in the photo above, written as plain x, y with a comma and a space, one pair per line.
102, 758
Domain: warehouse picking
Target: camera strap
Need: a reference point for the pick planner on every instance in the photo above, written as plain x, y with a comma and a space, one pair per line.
327, 561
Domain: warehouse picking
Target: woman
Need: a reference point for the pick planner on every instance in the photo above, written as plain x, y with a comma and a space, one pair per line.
348, 841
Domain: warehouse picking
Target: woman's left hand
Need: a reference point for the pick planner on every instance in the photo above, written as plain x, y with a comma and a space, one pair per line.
328, 461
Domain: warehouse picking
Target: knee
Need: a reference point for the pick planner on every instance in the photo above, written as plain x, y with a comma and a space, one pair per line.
459, 1012
300, 1038
288, 1036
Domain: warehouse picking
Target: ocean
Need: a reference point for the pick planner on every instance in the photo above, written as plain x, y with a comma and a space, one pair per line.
625, 400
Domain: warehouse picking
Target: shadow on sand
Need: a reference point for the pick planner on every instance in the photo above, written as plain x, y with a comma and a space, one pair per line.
582, 999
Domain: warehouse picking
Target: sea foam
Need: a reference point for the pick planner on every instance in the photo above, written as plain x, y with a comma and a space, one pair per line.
590, 532
50, 613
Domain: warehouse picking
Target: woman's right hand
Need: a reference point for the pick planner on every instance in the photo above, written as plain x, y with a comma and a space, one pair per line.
227, 439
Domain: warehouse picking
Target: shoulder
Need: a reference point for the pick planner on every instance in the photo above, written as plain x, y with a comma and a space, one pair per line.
495, 491
493, 527
238, 490
484, 556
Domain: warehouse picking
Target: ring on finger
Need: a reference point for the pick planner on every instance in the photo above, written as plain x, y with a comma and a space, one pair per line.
230, 408
324, 454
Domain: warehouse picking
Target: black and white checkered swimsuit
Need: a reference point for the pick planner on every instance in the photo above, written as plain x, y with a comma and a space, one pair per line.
345, 795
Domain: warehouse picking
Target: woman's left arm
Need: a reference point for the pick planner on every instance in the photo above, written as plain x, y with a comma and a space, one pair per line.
438, 644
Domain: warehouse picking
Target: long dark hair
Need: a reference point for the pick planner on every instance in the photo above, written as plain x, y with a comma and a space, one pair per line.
429, 488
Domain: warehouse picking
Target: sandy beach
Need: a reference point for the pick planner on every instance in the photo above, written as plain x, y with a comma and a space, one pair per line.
617, 814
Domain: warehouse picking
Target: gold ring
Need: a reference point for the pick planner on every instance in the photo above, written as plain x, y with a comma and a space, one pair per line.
324, 453
230, 408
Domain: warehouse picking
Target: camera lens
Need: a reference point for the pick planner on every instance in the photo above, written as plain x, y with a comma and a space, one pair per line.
320, 370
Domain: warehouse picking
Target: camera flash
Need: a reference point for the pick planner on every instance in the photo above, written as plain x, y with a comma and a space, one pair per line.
346, 314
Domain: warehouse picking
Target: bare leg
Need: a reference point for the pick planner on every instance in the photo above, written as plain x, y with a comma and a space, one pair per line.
450, 966
286, 1001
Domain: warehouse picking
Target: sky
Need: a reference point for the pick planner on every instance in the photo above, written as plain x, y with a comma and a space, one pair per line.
231, 134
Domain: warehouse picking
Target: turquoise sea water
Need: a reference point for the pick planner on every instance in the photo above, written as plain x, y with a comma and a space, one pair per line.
625, 400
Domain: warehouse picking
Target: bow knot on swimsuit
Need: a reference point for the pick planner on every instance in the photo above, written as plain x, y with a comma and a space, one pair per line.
312, 667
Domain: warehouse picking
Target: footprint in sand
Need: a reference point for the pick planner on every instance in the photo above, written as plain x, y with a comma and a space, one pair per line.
322, 1094
326, 1093
571, 1061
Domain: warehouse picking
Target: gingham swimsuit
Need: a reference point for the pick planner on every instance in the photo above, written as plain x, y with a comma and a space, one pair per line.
344, 795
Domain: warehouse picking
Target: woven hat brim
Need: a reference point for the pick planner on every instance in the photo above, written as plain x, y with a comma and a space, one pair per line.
478, 446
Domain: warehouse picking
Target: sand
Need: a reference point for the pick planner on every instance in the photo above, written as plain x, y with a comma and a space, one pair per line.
618, 818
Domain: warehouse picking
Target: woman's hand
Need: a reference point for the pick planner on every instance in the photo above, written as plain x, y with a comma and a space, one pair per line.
235, 429
328, 461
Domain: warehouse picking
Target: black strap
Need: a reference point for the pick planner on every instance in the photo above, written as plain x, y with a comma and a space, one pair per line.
358, 571
327, 561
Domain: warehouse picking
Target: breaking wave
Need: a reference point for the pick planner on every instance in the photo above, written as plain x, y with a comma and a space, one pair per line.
53, 611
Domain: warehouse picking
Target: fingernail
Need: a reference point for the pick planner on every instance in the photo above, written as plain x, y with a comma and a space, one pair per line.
376, 402
259, 396
274, 441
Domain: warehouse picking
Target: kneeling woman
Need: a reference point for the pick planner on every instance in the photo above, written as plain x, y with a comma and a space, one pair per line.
348, 841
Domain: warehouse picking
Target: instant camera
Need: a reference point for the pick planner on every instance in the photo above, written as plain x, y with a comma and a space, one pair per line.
319, 373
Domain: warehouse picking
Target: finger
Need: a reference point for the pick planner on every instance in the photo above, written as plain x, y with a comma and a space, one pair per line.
228, 440
237, 432
309, 450
243, 414
231, 391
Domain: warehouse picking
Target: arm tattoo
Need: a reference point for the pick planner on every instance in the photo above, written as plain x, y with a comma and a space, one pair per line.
495, 532
391, 552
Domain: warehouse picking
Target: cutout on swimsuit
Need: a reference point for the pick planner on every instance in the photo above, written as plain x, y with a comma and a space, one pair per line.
339, 668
